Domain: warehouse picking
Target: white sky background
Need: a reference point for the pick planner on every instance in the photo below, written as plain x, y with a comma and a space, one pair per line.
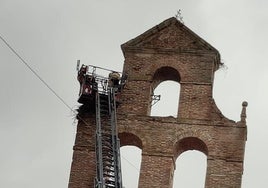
37, 131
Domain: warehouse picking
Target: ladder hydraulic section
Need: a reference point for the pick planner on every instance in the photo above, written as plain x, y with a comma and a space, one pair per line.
107, 142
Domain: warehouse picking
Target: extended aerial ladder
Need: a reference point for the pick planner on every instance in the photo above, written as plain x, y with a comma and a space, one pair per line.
100, 94
107, 142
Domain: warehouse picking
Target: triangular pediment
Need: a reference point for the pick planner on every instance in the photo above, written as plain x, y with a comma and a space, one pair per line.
171, 34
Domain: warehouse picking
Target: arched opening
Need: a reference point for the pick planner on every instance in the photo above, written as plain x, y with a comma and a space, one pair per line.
165, 92
130, 164
131, 148
191, 163
190, 170
168, 104
165, 73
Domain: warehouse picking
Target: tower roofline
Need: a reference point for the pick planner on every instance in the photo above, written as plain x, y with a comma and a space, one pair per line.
198, 46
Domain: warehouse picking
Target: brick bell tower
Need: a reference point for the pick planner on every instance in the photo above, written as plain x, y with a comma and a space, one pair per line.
169, 51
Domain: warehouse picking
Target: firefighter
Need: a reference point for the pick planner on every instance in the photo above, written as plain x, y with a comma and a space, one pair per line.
90, 79
114, 78
81, 73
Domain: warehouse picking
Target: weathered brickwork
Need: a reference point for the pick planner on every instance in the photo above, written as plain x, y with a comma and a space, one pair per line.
169, 51
83, 167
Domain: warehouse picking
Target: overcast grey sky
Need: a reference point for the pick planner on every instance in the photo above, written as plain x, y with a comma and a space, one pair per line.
37, 131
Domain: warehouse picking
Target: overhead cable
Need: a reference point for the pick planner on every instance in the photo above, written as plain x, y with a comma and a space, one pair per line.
47, 85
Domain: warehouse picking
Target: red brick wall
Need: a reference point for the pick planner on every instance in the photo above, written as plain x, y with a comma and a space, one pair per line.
154, 175
200, 124
83, 168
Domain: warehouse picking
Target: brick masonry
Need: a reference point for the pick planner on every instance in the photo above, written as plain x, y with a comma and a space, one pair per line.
169, 51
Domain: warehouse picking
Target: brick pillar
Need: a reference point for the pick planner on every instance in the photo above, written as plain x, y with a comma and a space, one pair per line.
223, 174
83, 169
156, 171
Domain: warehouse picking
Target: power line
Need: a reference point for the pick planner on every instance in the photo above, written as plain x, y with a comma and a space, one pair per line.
130, 163
46, 84
35, 73
41, 79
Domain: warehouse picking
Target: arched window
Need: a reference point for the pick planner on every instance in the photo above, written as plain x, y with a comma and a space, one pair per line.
168, 104
166, 87
131, 148
130, 163
191, 163
190, 170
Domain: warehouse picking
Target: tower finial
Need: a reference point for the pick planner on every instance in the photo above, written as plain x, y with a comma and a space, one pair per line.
179, 17
243, 115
